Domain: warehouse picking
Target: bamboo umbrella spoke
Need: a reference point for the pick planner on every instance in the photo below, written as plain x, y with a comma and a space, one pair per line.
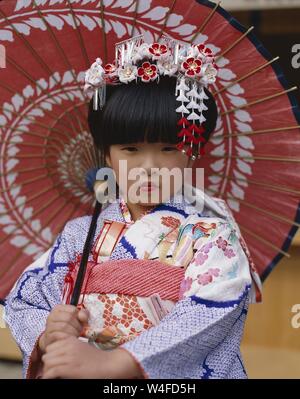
26, 170
169, 12
242, 78
32, 80
80, 39
35, 122
234, 44
19, 253
26, 182
89, 151
60, 50
280, 189
259, 101
51, 115
104, 41
261, 210
263, 240
256, 132
33, 197
63, 193
33, 52
205, 22
256, 158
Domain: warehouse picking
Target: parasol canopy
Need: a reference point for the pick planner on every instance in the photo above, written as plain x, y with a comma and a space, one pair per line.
252, 160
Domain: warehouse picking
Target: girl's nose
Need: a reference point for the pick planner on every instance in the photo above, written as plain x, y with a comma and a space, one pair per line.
148, 162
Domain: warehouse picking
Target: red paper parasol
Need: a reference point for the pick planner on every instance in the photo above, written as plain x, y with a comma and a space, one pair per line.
252, 160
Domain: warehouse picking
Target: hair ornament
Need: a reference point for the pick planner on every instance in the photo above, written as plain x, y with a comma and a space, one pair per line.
193, 65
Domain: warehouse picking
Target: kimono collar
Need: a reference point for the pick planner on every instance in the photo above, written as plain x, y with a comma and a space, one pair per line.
183, 202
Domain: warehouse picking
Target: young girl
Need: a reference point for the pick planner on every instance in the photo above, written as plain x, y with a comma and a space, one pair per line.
167, 286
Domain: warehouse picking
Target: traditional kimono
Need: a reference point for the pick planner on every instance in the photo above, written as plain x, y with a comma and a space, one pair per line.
172, 288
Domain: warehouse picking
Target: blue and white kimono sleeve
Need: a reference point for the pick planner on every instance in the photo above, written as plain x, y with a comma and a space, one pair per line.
38, 290
200, 337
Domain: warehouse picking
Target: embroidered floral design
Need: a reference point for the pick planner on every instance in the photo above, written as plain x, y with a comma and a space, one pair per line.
207, 277
233, 272
200, 258
229, 253
204, 227
185, 286
207, 247
224, 245
221, 243
170, 221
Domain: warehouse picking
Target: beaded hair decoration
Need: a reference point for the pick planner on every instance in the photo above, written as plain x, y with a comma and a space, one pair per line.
193, 65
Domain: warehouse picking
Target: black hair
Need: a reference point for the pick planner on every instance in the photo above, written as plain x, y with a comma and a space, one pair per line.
138, 111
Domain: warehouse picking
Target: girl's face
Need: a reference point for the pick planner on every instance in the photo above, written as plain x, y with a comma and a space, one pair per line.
134, 174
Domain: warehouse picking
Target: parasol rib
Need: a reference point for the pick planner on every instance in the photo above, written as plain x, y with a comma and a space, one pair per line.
206, 21
254, 132
259, 101
245, 76
259, 183
274, 216
166, 19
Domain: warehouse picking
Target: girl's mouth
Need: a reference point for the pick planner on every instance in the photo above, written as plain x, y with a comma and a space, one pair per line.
148, 187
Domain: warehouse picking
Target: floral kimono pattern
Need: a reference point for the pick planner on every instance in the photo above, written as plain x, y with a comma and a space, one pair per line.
172, 288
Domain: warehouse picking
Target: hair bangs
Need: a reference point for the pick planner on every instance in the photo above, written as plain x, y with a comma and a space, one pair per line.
138, 112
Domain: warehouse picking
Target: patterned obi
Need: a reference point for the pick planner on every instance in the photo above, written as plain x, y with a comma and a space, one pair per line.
125, 296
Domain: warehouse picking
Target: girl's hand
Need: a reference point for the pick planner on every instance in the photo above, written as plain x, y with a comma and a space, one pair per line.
72, 358
63, 321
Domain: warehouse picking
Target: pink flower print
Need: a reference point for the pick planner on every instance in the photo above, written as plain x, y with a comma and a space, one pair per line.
185, 286
222, 244
214, 272
200, 258
206, 248
205, 278
229, 253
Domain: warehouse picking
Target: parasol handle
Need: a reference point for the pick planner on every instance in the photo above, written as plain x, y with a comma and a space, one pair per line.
85, 255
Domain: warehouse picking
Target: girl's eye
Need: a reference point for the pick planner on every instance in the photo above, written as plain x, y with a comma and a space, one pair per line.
130, 149
169, 148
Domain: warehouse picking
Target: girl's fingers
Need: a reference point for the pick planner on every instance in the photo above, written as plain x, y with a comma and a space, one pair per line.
57, 346
55, 356
54, 372
56, 336
63, 327
66, 317
83, 316
65, 308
